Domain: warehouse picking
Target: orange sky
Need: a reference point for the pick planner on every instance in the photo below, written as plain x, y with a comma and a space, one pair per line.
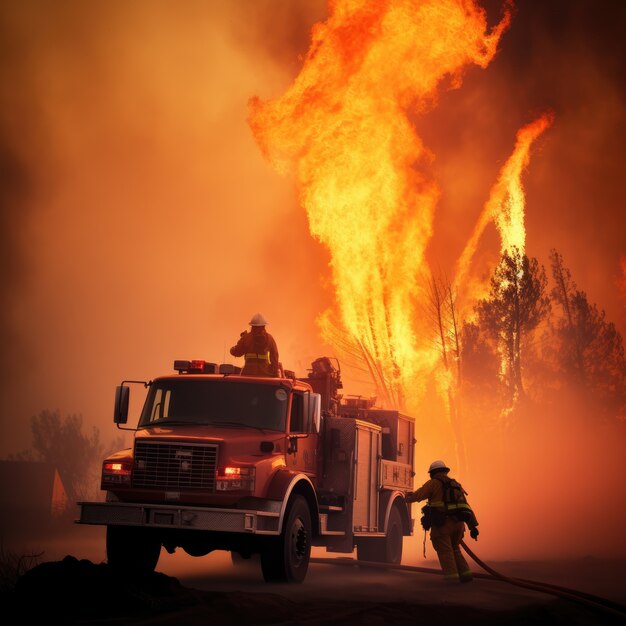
140, 223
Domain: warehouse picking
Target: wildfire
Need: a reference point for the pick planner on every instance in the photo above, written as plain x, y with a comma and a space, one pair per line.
343, 126
505, 207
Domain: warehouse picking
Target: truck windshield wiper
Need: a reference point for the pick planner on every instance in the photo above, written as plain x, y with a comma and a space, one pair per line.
225, 423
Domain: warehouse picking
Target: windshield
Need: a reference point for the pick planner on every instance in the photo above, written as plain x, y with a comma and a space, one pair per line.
230, 404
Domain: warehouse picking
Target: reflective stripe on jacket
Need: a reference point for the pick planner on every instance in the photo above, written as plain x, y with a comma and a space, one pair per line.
260, 351
433, 490
441, 505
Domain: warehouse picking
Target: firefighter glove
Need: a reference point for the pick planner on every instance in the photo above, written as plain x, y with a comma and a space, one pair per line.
474, 533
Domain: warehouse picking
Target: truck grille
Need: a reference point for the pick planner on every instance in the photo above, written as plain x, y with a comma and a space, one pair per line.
175, 466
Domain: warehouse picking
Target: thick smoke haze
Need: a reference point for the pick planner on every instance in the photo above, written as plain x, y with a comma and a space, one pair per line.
565, 57
140, 223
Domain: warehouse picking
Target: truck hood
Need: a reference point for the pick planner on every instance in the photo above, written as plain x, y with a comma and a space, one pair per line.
195, 433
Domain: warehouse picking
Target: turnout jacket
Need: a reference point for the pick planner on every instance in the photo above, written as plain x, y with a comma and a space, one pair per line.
260, 352
434, 490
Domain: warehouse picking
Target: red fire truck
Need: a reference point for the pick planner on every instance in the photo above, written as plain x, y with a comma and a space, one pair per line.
256, 466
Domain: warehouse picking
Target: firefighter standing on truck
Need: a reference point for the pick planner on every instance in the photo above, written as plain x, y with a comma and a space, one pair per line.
445, 516
259, 350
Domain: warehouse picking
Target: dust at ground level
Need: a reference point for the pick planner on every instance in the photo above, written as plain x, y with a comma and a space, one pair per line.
71, 582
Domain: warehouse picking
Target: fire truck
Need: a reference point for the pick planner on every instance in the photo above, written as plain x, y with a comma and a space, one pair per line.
256, 466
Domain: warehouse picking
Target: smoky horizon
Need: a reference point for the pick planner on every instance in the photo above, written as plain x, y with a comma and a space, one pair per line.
166, 172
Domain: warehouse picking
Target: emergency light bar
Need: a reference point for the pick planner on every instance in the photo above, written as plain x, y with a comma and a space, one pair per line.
196, 366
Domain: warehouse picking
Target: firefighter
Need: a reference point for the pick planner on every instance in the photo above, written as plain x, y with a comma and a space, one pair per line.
446, 514
258, 348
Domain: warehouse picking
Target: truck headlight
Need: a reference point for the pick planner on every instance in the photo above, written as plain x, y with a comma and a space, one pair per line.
116, 472
235, 479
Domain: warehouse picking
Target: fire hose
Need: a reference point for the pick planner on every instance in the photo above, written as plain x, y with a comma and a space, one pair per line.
586, 599
561, 592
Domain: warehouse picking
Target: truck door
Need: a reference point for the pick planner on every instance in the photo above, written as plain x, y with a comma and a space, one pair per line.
303, 435
367, 454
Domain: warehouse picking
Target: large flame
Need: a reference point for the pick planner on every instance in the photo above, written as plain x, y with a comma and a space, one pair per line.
343, 124
505, 207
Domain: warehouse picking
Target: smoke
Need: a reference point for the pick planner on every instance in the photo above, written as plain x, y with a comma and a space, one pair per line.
140, 223
13, 194
542, 489
567, 57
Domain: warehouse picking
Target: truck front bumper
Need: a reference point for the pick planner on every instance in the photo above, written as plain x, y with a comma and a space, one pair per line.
180, 517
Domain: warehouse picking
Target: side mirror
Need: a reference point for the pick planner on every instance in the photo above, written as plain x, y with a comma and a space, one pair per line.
120, 411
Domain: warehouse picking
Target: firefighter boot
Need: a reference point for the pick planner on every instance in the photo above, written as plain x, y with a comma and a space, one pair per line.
465, 573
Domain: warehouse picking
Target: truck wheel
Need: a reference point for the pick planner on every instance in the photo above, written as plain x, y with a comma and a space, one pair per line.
386, 549
286, 559
135, 550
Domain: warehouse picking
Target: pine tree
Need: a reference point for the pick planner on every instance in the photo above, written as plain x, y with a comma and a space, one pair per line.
588, 350
516, 305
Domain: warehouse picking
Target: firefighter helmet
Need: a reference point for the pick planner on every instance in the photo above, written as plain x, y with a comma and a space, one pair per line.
258, 320
438, 466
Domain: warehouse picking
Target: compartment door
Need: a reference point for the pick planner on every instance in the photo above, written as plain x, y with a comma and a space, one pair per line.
366, 473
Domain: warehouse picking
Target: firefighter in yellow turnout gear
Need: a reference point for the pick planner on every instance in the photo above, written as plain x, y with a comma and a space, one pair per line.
259, 349
445, 515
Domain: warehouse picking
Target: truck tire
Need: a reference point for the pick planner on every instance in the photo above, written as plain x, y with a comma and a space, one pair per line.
387, 549
133, 550
286, 558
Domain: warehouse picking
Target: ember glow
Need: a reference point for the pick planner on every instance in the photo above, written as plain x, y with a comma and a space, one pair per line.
359, 163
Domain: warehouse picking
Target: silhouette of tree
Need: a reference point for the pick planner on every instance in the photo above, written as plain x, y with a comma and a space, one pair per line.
517, 303
76, 455
482, 392
570, 348
479, 359
588, 350
62, 443
443, 314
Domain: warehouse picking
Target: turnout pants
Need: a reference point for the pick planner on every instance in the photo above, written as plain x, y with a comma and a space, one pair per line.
446, 540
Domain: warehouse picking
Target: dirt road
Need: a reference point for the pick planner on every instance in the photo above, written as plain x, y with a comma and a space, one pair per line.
211, 589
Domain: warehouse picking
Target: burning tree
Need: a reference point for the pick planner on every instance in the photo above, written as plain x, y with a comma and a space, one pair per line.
443, 314
344, 127
517, 303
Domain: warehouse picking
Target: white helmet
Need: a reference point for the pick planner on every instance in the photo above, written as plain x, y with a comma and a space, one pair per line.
258, 320
438, 465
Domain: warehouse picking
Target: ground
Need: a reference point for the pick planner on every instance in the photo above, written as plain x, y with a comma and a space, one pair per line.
72, 584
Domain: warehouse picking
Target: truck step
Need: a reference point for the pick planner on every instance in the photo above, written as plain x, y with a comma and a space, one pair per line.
324, 527
328, 508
